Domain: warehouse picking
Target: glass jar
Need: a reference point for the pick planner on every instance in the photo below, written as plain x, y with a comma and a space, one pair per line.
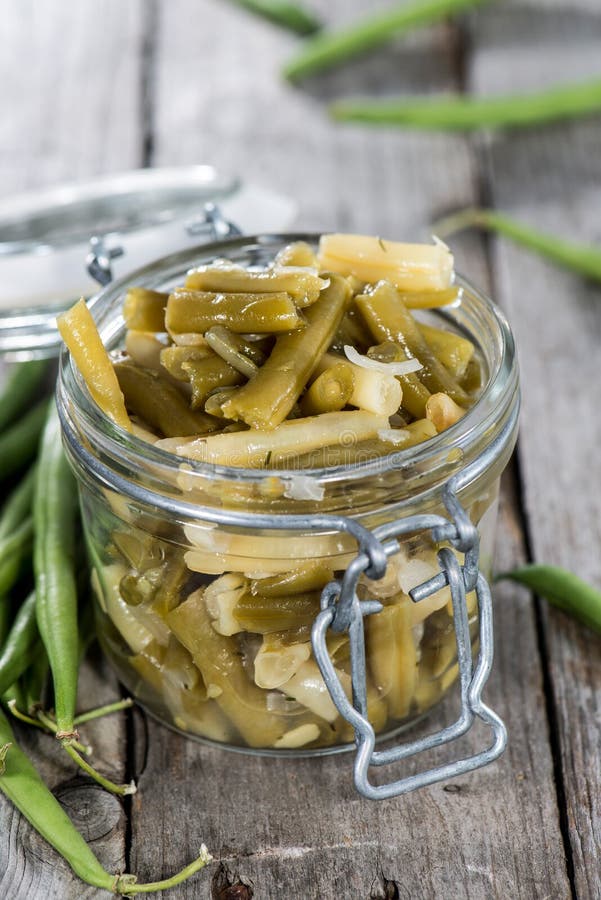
176, 546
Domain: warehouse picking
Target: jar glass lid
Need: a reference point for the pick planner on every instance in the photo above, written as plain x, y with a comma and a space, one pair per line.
45, 238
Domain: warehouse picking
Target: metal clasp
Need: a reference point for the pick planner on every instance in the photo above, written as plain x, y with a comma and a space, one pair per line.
211, 222
342, 610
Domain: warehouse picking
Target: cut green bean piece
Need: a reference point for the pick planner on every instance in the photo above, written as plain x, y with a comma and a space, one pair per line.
19, 443
388, 319
257, 313
562, 589
299, 253
469, 113
331, 391
214, 402
301, 284
331, 48
159, 403
207, 375
22, 386
312, 577
235, 352
144, 310
271, 394
262, 615
453, 351
289, 15
174, 357
581, 258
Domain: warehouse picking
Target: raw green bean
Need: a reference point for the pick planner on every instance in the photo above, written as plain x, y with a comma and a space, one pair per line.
19, 648
260, 313
13, 551
562, 589
34, 682
22, 386
159, 403
469, 113
269, 396
21, 783
581, 258
290, 15
18, 505
331, 48
388, 319
19, 443
56, 591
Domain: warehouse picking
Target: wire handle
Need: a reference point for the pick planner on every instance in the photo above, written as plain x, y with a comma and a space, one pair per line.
343, 611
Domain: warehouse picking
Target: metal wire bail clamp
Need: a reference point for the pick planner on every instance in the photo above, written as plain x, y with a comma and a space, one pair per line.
343, 611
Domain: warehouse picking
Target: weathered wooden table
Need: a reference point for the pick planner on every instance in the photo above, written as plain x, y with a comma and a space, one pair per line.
103, 85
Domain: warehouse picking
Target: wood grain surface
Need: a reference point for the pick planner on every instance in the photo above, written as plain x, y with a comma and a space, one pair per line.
111, 85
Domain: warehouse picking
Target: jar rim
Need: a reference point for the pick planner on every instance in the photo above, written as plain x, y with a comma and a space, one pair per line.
431, 462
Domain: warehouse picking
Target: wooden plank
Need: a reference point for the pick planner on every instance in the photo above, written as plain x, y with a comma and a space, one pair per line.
551, 179
297, 828
72, 75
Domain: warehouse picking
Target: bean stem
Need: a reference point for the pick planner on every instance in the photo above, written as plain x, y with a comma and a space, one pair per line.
126, 886
101, 711
49, 725
331, 48
581, 258
461, 113
19, 442
23, 717
562, 589
289, 15
68, 745
21, 388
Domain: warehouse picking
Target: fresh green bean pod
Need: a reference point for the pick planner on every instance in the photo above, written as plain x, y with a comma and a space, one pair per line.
159, 403
262, 615
55, 504
332, 48
463, 113
269, 396
207, 375
14, 550
22, 387
22, 784
389, 320
19, 647
19, 442
581, 258
18, 505
562, 589
285, 13
144, 310
260, 313
415, 394
34, 681
330, 391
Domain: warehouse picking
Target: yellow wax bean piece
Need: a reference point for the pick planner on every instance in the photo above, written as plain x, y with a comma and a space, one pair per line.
271, 394
78, 331
299, 253
264, 313
256, 448
409, 267
144, 310
443, 412
392, 657
415, 394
